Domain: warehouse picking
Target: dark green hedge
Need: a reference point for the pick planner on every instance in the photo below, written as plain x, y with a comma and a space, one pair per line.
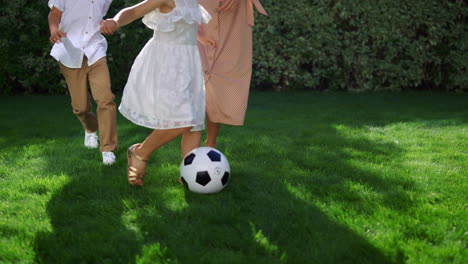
303, 44
362, 45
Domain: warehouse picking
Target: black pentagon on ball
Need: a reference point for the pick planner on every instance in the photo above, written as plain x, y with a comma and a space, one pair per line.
203, 178
214, 156
225, 178
189, 159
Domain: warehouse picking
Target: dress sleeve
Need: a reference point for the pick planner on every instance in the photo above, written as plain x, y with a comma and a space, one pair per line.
59, 4
205, 16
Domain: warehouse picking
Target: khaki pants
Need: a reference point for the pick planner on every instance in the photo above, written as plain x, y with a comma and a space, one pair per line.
98, 79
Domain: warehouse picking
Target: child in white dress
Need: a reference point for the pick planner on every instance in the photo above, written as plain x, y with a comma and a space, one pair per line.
165, 89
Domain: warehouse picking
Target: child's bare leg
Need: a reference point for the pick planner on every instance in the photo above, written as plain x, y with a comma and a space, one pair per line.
154, 141
190, 141
212, 133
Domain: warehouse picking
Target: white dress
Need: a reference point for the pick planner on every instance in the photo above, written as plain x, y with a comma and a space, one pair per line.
165, 88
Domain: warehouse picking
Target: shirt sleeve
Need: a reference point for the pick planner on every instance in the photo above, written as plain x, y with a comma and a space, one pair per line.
59, 4
106, 8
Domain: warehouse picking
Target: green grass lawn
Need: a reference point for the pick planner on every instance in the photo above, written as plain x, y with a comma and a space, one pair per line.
316, 178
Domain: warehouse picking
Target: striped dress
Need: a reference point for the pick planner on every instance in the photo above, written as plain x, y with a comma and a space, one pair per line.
228, 66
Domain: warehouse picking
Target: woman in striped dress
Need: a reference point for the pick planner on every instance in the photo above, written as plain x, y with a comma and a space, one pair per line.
227, 66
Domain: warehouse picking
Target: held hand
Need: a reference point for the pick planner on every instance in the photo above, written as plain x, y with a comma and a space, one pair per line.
207, 42
228, 5
109, 26
56, 36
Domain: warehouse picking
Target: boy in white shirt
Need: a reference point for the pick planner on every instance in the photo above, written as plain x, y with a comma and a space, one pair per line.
80, 50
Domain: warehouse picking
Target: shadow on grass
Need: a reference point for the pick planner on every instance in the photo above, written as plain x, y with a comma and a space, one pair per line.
261, 217
257, 220
86, 218
283, 167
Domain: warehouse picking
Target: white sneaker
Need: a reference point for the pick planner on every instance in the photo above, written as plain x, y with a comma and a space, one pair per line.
108, 158
91, 140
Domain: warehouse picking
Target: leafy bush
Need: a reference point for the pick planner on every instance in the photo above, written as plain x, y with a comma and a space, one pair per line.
362, 45
303, 44
25, 65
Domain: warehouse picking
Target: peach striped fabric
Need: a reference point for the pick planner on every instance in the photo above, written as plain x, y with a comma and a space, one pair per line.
228, 66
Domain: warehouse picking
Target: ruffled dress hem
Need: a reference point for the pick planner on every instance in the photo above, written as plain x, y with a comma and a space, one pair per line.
158, 123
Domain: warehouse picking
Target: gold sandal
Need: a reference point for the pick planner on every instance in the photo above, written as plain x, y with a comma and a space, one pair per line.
134, 176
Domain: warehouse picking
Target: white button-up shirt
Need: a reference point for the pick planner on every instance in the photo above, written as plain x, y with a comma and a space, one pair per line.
81, 21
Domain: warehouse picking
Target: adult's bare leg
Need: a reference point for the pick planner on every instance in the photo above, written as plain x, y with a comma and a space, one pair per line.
212, 133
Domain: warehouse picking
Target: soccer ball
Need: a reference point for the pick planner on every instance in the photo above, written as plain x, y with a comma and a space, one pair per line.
205, 170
